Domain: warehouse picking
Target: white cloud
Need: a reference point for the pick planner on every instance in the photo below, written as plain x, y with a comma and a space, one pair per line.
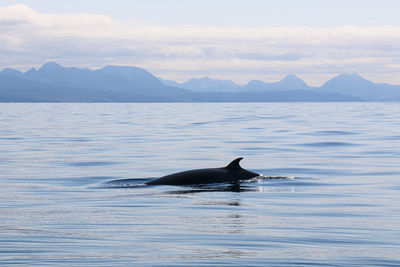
30, 38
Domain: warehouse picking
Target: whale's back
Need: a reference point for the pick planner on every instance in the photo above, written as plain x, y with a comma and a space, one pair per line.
229, 174
199, 176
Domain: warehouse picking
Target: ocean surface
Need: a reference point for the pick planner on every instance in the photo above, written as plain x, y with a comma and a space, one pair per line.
330, 195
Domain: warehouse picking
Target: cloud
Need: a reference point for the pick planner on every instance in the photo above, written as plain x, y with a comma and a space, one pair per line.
239, 53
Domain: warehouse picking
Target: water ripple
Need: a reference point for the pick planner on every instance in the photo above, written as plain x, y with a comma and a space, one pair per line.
69, 197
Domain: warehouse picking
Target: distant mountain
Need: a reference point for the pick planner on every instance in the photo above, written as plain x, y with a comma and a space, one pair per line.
357, 86
12, 72
107, 77
207, 84
55, 83
290, 82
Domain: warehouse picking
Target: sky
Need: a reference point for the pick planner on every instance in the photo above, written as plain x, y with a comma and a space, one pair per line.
239, 40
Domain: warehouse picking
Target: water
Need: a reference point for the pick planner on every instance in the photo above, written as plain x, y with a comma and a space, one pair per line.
338, 204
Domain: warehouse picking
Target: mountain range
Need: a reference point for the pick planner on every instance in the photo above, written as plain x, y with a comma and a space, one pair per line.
55, 83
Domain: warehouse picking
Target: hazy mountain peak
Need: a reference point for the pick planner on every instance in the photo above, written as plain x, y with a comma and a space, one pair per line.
207, 84
124, 70
291, 77
128, 76
356, 85
205, 78
293, 81
54, 72
30, 71
10, 71
353, 79
50, 66
348, 76
289, 82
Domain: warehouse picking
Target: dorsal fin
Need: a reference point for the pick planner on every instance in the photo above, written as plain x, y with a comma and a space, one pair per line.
234, 165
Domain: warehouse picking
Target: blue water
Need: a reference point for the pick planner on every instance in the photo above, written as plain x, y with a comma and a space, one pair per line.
337, 202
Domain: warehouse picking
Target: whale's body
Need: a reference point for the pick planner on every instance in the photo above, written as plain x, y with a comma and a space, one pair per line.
232, 173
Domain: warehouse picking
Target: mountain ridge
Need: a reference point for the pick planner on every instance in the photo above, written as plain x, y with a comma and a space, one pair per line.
346, 84
55, 83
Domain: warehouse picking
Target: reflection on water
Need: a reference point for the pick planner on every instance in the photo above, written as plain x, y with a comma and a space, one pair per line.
72, 184
235, 187
241, 186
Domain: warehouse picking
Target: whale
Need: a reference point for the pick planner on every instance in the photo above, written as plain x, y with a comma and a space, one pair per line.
232, 173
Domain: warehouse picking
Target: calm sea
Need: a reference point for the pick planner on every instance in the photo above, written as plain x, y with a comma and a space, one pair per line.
338, 203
